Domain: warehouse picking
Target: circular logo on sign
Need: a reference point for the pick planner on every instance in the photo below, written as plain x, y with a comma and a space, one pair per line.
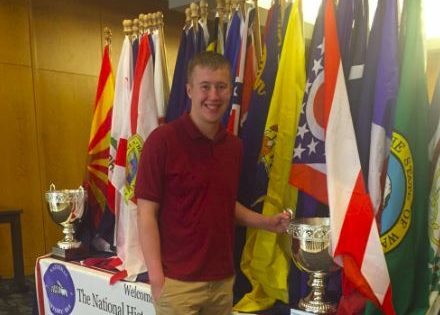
60, 290
398, 194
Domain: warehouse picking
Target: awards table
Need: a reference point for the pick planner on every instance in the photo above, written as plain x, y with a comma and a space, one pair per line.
69, 288
65, 288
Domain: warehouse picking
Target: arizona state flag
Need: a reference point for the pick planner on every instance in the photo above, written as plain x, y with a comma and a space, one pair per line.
98, 149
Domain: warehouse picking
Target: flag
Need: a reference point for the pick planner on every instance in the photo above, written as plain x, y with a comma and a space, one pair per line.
434, 207
270, 259
139, 120
232, 53
250, 70
307, 206
251, 188
121, 105
135, 50
159, 87
178, 97
203, 24
217, 37
98, 152
378, 98
245, 63
404, 218
353, 34
355, 237
191, 42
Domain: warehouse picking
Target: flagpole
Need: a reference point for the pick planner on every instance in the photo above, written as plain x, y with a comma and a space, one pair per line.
220, 10
240, 5
228, 10
194, 16
108, 38
149, 22
257, 32
187, 17
141, 24
203, 11
135, 29
127, 27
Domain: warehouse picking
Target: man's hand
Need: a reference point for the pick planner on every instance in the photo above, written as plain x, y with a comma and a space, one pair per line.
278, 223
157, 286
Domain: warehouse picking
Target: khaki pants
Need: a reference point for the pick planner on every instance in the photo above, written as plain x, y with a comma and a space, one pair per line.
195, 298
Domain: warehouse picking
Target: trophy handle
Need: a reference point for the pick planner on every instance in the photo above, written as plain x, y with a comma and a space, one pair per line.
52, 187
79, 203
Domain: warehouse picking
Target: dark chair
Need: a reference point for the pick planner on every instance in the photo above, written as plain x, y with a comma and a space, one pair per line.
12, 216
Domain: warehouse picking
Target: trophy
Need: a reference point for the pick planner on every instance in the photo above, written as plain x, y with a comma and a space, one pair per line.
310, 249
66, 207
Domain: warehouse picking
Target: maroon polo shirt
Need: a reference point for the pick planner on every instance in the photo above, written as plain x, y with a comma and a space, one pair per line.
195, 181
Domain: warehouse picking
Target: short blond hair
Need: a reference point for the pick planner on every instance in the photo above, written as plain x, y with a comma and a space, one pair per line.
210, 60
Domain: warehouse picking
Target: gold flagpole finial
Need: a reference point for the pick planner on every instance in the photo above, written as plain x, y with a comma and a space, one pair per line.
220, 6
107, 36
228, 9
257, 31
204, 10
241, 6
188, 17
141, 23
149, 22
220, 11
145, 22
234, 5
154, 20
135, 29
159, 19
194, 15
127, 27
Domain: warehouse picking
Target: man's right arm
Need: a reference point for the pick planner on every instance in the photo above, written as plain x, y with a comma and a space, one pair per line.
150, 243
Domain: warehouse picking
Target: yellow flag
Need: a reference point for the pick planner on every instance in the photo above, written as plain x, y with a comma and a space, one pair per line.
266, 259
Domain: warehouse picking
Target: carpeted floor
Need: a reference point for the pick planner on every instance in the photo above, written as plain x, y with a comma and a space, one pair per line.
13, 302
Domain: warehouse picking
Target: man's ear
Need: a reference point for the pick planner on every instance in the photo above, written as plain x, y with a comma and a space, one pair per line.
188, 90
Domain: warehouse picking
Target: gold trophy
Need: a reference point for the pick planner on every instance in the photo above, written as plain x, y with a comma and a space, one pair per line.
310, 247
66, 207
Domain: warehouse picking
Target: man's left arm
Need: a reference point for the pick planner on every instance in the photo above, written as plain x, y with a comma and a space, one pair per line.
277, 223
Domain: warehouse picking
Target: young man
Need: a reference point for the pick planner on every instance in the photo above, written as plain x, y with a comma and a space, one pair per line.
186, 187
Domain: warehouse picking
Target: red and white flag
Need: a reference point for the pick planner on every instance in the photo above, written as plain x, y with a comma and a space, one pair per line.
246, 62
355, 235
139, 121
121, 106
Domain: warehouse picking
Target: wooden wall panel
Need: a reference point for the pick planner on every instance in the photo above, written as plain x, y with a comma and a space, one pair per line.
65, 103
50, 58
20, 175
14, 41
67, 35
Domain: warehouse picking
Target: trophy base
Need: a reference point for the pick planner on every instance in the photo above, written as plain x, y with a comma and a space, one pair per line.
70, 253
294, 311
317, 307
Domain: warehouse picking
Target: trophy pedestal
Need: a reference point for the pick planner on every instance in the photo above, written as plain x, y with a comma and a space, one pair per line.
294, 311
68, 254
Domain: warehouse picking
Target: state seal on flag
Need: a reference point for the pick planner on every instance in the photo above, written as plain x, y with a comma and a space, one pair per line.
398, 194
134, 148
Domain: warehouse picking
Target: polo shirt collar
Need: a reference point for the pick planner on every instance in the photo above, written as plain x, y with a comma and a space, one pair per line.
195, 133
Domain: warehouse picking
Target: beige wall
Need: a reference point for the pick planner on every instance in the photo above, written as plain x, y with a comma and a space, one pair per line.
50, 56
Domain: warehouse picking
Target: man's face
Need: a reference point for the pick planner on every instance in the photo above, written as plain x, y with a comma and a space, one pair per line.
209, 91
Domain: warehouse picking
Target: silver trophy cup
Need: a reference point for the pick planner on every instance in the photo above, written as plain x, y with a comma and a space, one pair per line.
310, 247
66, 207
